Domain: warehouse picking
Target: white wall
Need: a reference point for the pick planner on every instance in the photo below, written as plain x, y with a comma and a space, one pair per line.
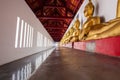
9, 11
103, 8
107, 9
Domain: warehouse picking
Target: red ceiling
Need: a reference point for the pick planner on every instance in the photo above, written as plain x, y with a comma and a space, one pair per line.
55, 15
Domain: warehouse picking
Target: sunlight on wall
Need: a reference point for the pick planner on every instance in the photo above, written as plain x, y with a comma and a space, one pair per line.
17, 32
21, 34
24, 34
30, 38
39, 39
43, 41
27, 35
32, 33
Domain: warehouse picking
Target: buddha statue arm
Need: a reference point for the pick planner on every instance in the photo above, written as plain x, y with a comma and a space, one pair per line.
103, 27
113, 31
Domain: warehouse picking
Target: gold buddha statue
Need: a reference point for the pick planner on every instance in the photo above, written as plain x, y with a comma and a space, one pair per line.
71, 31
64, 39
90, 22
107, 29
75, 35
69, 35
93, 29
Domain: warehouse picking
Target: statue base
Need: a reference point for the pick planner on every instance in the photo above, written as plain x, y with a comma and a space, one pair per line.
107, 46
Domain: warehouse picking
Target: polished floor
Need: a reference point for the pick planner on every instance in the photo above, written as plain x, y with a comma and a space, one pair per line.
23, 68
71, 64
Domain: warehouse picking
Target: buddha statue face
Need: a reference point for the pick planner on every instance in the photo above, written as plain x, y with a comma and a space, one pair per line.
89, 9
71, 30
77, 24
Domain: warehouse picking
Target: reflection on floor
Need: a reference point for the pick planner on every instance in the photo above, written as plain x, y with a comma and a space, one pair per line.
71, 64
23, 68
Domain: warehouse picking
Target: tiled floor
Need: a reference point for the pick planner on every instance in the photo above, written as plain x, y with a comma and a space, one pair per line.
71, 64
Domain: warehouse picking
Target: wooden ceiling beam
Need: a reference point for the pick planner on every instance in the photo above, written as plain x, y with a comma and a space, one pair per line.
58, 30
77, 7
57, 37
52, 6
56, 33
52, 17
50, 27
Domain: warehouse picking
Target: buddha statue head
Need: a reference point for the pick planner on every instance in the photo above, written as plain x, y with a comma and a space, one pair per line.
76, 24
89, 9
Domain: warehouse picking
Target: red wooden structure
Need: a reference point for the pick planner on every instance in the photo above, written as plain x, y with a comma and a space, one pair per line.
55, 15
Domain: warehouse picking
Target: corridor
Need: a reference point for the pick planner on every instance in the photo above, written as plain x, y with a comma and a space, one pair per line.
60, 40
72, 64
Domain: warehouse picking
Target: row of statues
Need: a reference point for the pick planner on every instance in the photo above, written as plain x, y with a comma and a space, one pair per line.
93, 28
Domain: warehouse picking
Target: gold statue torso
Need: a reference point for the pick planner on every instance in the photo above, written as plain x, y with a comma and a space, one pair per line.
101, 30
90, 22
76, 33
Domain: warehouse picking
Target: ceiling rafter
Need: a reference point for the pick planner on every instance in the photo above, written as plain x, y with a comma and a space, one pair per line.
55, 15
56, 27
54, 33
57, 34
53, 6
52, 17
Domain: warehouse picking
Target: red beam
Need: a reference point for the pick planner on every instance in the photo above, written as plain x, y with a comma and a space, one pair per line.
70, 3
56, 38
52, 6
78, 6
56, 32
59, 37
56, 35
55, 27
52, 17
60, 26
62, 31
